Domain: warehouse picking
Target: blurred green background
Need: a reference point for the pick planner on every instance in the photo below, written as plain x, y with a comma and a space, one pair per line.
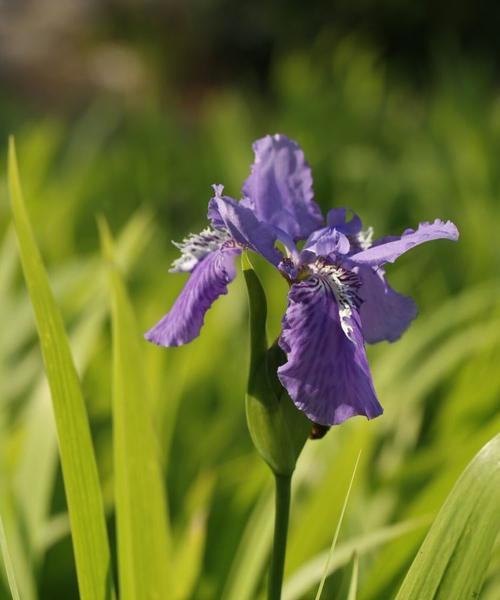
132, 110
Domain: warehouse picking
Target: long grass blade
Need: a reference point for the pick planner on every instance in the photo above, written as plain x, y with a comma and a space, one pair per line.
252, 553
353, 587
7, 562
190, 545
142, 523
311, 573
81, 480
454, 556
337, 530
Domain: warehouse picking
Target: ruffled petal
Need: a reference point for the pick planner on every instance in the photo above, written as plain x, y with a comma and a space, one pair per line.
213, 211
379, 254
326, 373
206, 283
247, 230
327, 241
385, 314
337, 217
280, 187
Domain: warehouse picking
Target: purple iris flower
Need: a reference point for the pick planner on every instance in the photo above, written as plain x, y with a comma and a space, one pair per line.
339, 297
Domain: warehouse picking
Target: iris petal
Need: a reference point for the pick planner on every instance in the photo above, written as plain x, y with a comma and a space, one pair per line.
337, 217
385, 314
195, 247
379, 253
326, 373
280, 187
247, 230
213, 211
206, 283
326, 241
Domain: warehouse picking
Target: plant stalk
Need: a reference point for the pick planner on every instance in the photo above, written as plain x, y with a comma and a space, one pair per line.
283, 486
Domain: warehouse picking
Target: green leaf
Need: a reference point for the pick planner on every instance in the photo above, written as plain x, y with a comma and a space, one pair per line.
453, 558
189, 547
252, 553
7, 562
311, 573
36, 469
141, 507
353, 587
337, 530
18, 566
81, 480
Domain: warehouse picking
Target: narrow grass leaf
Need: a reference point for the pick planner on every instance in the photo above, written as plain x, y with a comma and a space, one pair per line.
454, 556
36, 469
81, 480
253, 552
353, 587
7, 563
189, 546
337, 530
21, 564
141, 506
310, 574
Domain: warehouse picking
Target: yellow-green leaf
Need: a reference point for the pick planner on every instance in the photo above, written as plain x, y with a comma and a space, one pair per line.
81, 480
141, 506
454, 556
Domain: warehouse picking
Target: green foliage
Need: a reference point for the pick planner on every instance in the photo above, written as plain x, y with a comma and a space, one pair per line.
395, 154
336, 535
353, 586
453, 559
312, 572
142, 534
8, 565
81, 479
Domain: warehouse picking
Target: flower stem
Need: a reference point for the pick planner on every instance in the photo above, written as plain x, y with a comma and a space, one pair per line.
283, 485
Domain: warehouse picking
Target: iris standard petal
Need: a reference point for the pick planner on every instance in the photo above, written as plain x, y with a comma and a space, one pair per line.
280, 187
326, 241
206, 283
337, 217
326, 373
379, 254
213, 211
385, 314
246, 229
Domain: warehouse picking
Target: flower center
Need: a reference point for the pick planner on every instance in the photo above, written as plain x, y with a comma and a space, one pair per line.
344, 285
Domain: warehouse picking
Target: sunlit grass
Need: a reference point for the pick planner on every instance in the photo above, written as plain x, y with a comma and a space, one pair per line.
397, 158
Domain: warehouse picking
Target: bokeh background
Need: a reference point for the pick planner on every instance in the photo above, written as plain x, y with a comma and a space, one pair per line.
132, 110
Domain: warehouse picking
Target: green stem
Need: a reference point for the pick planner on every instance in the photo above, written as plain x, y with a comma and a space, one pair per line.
283, 485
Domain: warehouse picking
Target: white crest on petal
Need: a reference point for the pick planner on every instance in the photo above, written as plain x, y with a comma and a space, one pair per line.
344, 285
365, 238
196, 246
362, 240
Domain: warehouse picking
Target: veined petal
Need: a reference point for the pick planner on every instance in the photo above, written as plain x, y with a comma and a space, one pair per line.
213, 211
385, 314
247, 230
206, 283
280, 187
326, 241
379, 254
337, 217
326, 373
359, 238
